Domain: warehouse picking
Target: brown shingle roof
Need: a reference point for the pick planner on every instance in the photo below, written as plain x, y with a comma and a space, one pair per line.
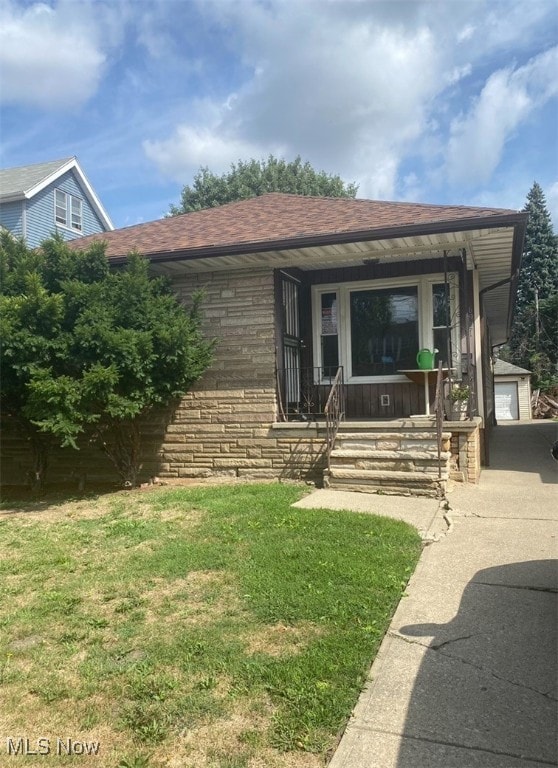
274, 220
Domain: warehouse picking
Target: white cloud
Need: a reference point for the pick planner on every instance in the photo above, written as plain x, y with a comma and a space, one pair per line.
191, 147
48, 58
509, 96
365, 89
344, 90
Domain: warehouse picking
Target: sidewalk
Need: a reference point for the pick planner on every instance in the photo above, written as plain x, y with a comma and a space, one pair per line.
466, 676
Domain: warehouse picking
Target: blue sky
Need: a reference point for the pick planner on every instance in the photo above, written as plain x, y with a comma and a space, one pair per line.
451, 102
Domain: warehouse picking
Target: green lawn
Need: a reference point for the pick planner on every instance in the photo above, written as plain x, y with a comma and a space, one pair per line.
212, 626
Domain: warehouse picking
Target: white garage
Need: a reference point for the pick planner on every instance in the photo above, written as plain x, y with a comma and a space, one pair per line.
512, 392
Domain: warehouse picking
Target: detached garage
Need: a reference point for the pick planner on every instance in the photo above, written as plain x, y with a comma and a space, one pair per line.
512, 392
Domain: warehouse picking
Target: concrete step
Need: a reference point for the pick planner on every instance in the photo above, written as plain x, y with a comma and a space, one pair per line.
371, 434
390, 477
393, 483
374, 458
369, 453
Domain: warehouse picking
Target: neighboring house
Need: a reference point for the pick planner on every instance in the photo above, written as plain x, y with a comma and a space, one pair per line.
512, 391
38, 200
301, 290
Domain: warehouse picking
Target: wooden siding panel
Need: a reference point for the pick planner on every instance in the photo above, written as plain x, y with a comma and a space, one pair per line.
40, 213
364, 400
11, 217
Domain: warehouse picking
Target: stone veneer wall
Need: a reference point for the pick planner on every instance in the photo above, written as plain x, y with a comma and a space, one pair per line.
465, 450
224, 426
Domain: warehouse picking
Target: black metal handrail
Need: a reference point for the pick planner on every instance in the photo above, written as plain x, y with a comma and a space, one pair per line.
439, 415
303, 392
334, 411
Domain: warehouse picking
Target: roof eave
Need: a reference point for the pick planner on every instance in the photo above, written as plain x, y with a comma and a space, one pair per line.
340, 238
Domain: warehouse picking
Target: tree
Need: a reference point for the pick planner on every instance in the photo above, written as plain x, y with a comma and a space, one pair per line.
257, 177
87, 349
533, 343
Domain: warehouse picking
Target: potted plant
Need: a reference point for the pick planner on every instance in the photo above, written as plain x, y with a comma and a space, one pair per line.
459, 401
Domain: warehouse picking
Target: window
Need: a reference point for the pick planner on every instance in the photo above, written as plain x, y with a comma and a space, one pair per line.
76, 212
68, 208
61, 206
374, 329
329, 338
441, 321
384, 331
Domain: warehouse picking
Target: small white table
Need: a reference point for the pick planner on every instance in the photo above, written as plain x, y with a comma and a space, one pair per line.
425, 376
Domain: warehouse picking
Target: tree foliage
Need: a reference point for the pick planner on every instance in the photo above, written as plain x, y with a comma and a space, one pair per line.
534, 343
257, 177
88, 348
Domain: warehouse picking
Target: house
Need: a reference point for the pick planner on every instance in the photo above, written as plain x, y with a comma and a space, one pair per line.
38, 200
512, 391
320, 307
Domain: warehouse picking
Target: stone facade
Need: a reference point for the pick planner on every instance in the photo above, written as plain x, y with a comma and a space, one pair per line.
465, 450
224, 426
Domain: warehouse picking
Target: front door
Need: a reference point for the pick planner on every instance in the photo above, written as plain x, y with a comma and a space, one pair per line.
291, 341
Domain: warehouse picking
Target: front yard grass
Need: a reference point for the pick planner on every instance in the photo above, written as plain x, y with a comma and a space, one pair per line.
192, 627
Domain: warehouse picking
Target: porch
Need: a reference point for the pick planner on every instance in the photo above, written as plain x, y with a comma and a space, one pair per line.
392, 456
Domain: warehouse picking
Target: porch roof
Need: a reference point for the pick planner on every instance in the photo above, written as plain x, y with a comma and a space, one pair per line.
282, 230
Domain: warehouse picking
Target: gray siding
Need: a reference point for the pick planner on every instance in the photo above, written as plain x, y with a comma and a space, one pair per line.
11, 217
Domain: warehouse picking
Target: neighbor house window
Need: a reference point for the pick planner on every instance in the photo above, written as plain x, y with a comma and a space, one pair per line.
75, 203
61, 206
68, 210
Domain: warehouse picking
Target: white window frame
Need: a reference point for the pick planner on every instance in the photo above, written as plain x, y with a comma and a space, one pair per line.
69, 202
58, 206
423, 283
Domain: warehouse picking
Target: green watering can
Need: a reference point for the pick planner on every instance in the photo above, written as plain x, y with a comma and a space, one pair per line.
425, 359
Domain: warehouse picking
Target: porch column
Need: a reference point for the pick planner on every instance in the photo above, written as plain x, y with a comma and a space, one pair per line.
477, 341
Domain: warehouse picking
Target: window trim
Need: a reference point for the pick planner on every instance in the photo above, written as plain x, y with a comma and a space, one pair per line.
74, 200
70, 200
57, 206
423, 283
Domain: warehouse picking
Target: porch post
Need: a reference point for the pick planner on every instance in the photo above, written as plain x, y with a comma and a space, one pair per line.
478, 349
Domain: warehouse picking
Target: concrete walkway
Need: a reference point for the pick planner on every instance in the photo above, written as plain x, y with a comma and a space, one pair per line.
466, 676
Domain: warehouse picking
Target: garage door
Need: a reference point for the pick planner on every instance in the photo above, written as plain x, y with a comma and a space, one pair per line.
505, 401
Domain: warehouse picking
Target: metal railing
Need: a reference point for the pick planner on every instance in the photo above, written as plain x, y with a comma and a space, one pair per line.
439, 415
304, 392
334, 411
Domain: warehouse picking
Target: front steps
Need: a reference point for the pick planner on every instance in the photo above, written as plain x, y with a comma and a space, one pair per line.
392, 457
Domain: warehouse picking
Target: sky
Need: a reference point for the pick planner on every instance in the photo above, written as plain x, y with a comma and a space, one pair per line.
449, 102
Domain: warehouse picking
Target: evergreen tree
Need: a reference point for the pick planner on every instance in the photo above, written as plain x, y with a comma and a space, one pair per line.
533, 343
257, 177
85, 349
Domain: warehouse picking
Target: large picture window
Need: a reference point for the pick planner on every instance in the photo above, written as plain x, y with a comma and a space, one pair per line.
384, 331
374, 329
